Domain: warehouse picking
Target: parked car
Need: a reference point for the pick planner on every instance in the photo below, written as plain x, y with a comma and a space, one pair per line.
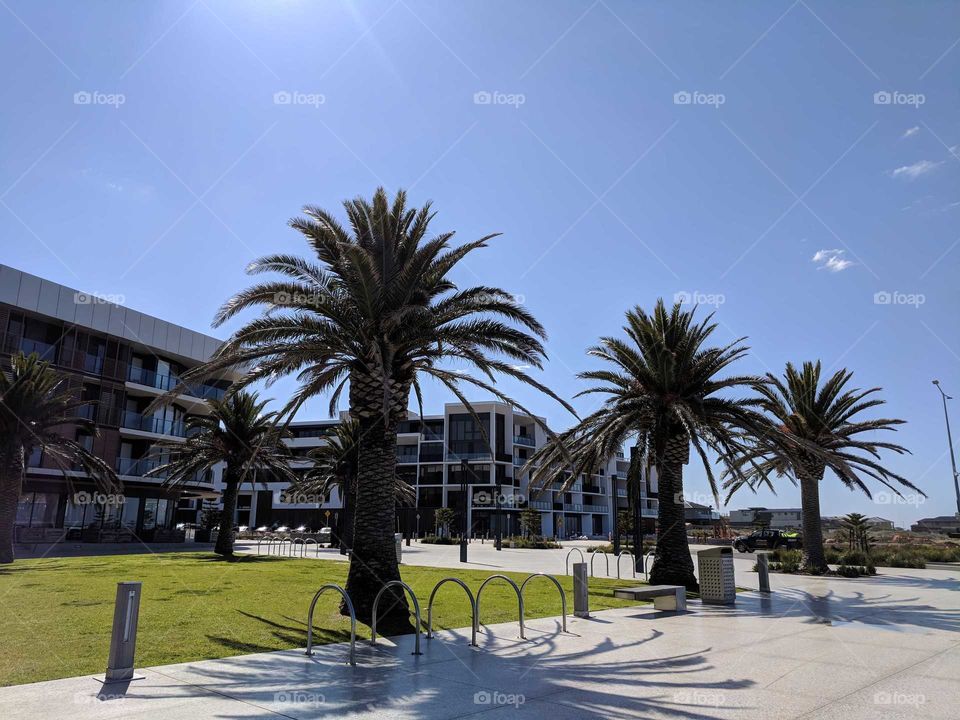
324, 534
767, 540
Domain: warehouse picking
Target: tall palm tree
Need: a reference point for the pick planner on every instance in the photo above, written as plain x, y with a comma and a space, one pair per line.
335, 464
238, 433
375, 311
664, 395
36, 407
817, 429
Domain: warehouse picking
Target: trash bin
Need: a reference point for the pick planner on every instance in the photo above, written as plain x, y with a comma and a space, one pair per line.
398, 539
717, 582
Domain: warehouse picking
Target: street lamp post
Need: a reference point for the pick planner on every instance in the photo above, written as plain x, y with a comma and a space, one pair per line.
953, 460
498, 541
464, 488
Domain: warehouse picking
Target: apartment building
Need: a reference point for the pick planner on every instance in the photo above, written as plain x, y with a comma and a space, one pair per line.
445, 455
117, 360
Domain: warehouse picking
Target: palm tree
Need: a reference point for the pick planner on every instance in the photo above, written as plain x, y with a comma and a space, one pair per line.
376, 311
817, 429
857, 528
238, 433
36, 408
335, 464
663, 396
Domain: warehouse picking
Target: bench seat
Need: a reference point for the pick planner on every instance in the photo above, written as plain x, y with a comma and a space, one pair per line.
665, 597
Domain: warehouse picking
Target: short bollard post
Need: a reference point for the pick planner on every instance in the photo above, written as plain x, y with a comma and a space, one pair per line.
123, 640
763, 570
398, 540
581, 593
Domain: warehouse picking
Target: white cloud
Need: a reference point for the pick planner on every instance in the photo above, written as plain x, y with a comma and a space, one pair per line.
831, 260
912, 172
910, 132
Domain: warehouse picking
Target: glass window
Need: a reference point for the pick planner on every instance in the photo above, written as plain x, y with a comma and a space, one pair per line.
73, 518
131, 507
149, 513
163, 516
24, 509
45, 507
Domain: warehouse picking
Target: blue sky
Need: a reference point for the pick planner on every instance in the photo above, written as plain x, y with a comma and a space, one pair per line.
626, 151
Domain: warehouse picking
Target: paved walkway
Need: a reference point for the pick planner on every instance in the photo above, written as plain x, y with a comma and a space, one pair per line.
880, 649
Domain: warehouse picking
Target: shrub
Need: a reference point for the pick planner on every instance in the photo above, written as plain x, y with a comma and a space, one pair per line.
848, 571
904, 558
435, 540
532, 543
853, 557
789, 561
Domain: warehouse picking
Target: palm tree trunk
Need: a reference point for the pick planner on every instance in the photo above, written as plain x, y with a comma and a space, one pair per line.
349, 489
231, 490
11, 482
672, 564
813, 560
373, 562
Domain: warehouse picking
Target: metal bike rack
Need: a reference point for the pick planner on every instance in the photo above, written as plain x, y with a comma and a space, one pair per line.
567, 561
353, 620
287, 539
516, 590
293, 542
416, 612
563, 596
633, 562
260, 542
646, 570
474, 617
606, 559
303, 547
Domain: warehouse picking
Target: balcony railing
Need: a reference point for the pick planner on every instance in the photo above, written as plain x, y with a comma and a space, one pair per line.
149, 423
407, 457
151, 378
137, 467
524, 440
458, 456
595, 508
540, 504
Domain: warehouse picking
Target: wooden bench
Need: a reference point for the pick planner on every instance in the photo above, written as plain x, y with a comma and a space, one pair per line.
665, 597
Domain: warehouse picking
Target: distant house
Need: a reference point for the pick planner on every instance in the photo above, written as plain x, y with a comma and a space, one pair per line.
941, 524
879, 523
697, 514
775, 518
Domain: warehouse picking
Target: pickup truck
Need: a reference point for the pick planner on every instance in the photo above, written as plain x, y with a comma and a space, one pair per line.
767, 540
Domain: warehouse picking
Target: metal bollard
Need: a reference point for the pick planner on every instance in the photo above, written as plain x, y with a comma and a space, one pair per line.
123, 640
763, 570
398, 539
581, 592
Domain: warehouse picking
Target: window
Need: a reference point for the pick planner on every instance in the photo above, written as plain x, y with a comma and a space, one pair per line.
128, 518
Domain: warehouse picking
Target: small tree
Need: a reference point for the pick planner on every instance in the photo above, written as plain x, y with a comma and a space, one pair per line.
530, 522
857, 531
443, 519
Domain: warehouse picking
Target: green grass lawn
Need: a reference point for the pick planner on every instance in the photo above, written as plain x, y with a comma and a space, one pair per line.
57, 612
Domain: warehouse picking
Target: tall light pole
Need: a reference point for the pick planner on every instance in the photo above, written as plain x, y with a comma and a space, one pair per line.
953, 460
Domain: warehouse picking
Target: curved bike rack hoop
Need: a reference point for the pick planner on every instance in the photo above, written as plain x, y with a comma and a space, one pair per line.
563, 596
289, 547
416, 611
260, 542
606, 559
567, 561
303, 546
295, 541
353, 620
646, 570
474, 618
633, 562
515, 589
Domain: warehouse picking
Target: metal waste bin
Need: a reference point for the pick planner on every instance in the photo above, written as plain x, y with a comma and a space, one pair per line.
398, 539
717, 582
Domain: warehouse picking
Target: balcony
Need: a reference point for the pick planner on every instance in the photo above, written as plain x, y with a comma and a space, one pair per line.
166, 383
148, 423
595, 508
524, 440
137, 467
540, 504
13, 343
573, 507
406, 456
460, 456
595, 489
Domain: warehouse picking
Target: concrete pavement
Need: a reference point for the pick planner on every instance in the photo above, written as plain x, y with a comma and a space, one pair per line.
884, 648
